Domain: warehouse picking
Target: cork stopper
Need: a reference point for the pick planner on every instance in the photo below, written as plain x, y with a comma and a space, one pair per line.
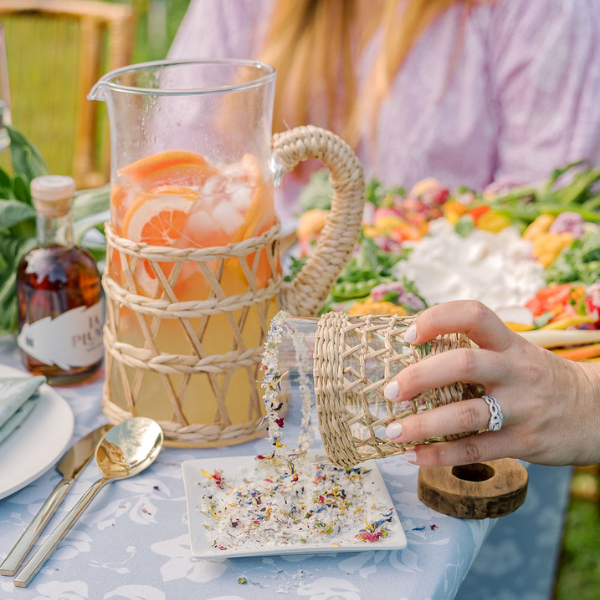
52, 195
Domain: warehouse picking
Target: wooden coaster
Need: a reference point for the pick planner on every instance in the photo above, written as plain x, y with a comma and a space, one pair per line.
484, 490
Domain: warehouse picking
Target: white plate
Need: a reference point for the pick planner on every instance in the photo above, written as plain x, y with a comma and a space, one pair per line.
234, 465
39, 442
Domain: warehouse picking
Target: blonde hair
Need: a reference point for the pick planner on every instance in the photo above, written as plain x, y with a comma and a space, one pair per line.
310, 44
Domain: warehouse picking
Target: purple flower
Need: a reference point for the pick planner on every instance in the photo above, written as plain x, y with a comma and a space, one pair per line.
570, 222
413, 301
379, 292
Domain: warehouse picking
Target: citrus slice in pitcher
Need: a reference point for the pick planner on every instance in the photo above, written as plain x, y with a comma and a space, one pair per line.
157, 218
259, 218
172, 167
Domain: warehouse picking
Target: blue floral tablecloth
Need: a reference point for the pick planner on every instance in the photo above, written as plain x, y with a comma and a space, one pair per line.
132, 543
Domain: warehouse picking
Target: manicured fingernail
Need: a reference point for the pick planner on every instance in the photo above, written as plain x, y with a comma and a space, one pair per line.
393, 430
391, 390
410, 456
411, 334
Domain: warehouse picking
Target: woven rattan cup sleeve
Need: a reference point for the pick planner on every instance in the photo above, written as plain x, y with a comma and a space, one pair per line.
354, 358
306, 294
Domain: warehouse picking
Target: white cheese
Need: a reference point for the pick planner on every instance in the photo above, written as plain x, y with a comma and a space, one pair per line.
495, 268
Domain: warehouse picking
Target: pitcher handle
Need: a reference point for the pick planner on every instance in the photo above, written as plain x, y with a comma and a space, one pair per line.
306, 294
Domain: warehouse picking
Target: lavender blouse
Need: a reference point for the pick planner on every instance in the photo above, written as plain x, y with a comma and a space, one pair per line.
523, 97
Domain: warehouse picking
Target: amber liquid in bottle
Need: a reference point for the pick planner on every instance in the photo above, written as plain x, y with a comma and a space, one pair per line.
53, 279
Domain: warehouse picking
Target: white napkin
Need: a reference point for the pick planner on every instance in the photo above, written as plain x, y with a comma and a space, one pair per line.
18, 417
16, 401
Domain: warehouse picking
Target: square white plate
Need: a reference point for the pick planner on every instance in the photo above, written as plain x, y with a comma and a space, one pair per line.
195, 487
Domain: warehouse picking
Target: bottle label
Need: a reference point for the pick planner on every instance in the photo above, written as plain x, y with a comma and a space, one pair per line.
73, 339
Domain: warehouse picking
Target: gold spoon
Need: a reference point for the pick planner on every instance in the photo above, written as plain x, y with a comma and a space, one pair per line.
124, 451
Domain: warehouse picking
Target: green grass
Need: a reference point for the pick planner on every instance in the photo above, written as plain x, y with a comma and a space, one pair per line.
579, 571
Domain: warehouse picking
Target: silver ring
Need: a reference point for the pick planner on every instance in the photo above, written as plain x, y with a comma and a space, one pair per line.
496, 417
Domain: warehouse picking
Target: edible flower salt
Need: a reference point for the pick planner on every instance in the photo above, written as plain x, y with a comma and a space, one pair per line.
288, 499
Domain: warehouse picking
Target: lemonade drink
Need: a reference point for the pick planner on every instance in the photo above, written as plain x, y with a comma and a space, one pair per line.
181, 200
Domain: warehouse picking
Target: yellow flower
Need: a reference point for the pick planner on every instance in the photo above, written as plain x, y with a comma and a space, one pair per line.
423, 186
377, 308
547, 246
540, 225
492, 221
385, 224
453, 211
370, 231
311, 223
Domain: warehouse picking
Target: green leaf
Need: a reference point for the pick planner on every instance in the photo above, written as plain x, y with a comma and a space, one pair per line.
13, 212
5, 181
12, 250
21, 189
98, 253
8, 304
26, 158
368, 255
7, 193
91, 202
375, 192
81, 227
317, 193
296, 265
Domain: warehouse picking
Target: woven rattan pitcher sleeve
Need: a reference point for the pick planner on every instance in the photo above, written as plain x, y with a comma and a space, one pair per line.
306, 294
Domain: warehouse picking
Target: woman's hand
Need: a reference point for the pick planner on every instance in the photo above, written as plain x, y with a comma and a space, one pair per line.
551, 406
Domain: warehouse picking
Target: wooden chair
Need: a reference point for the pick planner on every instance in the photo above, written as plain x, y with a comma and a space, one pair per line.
56, 51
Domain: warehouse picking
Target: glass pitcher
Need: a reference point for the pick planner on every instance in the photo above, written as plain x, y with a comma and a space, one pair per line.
193, 274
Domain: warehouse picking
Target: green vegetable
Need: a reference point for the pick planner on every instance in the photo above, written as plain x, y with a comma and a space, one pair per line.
349, 290
296, 265
543, 319
391, 297
530, 212
579, 195
369, 268
580, 262
376, 193
464, 226
317, 193
579, 189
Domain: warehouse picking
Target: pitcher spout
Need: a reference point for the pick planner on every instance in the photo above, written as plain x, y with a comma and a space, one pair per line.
99, 91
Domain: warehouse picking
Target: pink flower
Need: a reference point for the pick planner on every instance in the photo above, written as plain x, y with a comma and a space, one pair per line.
379, 292
570, 222
367, 536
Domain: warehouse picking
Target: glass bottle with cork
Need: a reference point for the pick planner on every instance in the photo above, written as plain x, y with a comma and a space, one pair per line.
59, 292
